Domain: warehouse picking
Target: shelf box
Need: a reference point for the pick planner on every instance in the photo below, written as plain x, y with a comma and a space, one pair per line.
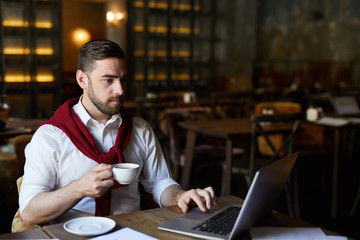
16, 51
175, 6
151, 77
43, 25
18, 78
163, 77
26, 51
20, 23
44, 51
177, 54
138, 28
162, 29
11, 78
15, 23
44, 78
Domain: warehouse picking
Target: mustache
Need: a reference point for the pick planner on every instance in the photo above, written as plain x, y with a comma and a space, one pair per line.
117, 98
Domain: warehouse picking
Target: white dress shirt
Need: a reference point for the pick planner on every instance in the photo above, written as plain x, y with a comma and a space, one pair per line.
53, 161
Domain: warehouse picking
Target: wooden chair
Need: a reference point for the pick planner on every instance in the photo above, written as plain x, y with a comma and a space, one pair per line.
211, 149
17, 224
20, 143
278, 107
230, 105
277, 149
274, 108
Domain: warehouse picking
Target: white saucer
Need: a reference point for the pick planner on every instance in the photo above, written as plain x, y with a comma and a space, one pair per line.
89, 226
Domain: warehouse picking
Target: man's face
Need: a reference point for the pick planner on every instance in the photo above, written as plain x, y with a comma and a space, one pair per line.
106, 85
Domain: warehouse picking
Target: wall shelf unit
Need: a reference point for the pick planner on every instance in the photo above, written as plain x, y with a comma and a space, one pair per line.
30, 48
170, 45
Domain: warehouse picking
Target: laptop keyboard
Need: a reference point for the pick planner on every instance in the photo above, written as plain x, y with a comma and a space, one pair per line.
221, 223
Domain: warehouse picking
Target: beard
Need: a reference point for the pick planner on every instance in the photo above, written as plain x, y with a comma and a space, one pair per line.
105, 107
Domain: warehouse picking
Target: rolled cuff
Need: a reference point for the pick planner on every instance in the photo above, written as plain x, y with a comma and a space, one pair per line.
161, 186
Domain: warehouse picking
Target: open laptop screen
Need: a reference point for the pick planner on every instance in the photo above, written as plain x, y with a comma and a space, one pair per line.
345, 104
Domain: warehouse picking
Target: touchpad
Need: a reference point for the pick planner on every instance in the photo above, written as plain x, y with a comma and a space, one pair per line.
197, 214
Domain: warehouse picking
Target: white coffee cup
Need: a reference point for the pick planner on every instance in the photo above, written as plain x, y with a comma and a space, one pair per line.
125, 173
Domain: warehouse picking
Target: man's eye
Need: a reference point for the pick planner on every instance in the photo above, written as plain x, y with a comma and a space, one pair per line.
108, 80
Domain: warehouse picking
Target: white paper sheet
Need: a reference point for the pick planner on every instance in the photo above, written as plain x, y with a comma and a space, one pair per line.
332, 121
337, 238
287, 233
125, 233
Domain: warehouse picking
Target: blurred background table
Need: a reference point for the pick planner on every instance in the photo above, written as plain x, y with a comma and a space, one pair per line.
18, 126
228, 129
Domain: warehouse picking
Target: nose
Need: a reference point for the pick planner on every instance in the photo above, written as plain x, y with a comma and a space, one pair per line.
118, 87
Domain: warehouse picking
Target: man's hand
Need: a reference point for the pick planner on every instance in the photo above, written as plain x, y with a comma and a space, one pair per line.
96, 182
47, 206
203, 198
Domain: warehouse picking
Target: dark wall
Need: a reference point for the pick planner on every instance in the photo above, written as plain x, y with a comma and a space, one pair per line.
309, 41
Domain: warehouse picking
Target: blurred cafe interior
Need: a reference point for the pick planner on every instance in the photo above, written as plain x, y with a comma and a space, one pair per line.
200, 60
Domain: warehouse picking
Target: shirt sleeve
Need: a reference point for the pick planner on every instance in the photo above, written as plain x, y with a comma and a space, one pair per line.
40, 170
155, 174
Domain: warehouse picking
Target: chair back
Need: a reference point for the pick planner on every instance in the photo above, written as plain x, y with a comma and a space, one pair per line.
275, 108
230, 104
177, 134
20, 143
286, 125
278, 107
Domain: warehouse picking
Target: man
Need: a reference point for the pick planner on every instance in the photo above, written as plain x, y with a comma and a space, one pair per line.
69, 159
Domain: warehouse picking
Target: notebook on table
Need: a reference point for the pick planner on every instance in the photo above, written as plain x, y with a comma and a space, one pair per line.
261, 198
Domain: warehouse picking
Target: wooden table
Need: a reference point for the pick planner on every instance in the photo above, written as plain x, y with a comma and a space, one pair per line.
147, 222
28, 234
18, 126
228, 129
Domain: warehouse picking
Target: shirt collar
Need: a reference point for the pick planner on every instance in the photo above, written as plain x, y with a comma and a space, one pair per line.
86, 118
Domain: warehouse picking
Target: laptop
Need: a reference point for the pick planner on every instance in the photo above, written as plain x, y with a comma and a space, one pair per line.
261, 198
345, 105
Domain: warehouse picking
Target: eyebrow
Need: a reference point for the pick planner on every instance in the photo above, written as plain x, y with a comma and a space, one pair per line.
114, 76
109, 76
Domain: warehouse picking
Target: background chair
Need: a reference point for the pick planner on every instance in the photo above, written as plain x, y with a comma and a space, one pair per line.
20, 143
230, 105
274, 108
277, 149
210, 149
280, 107
261, 125
17, 224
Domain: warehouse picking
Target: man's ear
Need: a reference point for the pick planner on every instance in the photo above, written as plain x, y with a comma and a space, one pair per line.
82, 79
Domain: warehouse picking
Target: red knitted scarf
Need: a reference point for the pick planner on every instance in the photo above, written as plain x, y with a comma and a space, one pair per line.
69, 122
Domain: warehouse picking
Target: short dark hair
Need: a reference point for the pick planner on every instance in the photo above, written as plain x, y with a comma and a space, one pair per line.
97, 50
